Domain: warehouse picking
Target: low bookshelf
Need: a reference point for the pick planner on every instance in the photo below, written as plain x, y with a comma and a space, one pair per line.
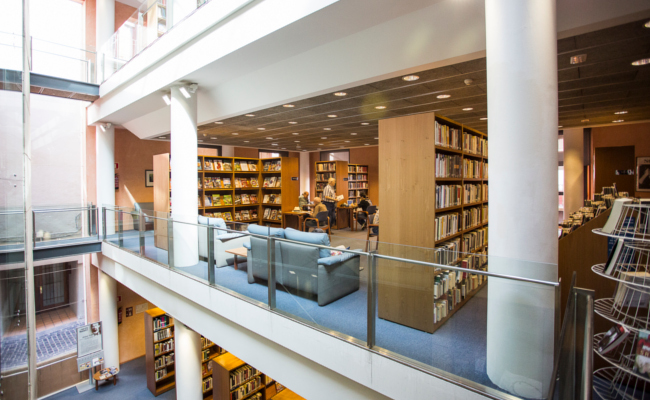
160, 348
456, 160
209, 350
357, 181
280, 187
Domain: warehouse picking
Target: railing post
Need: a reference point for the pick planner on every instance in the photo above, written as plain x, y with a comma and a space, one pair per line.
211, 264
170, 243
271, 265
141, 231
372, 299
104, 221
34, 227
120, 228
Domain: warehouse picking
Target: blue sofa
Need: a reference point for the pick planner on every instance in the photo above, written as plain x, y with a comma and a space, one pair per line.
304, 268
223, 241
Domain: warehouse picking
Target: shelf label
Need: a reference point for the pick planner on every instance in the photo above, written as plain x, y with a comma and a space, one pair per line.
294, 178
345, 179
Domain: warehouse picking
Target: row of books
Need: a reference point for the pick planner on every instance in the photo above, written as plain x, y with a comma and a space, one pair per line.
216, 182
454, 295
226, 216
164, 361
161, 322
205, 354
272, 199
325, 176
446, 136
216, 200
275, 165
474, 192
245, 198
245, 215
163, 347
448, 166
215, 165
475, 239
447, 253
475, 145
358, 185
205, 368
448, 195
470, 217
472, 169
241, 375
162, 334
475, 261
357, 168
357, 177
355, 193
446, 225
272, 214
326, 167
485, 214
246, 183
160, 374
320, 186
272, 181
246, 389
485, 170
207, 384
443, 282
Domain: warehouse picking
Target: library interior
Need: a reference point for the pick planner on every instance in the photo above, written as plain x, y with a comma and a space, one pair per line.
517, 272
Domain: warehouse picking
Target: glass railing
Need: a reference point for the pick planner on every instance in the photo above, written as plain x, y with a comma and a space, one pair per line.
49, 58
427, 308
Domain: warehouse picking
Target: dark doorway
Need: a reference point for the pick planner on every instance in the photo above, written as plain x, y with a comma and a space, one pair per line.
51, 286
608, 161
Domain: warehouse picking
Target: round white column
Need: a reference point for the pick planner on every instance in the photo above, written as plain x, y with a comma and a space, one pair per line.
105, 173
188, 362
104, 29
184, 176
108, 315
522, 109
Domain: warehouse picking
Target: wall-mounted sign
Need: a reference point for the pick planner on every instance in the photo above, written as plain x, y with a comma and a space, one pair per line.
294, 178
89, 339
643, 174
624, 172
345, 179
140, 308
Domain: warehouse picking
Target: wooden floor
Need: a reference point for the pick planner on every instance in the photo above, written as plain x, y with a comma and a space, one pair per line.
44, 320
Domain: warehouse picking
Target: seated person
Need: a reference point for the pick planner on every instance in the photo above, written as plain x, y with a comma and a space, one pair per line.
303, 201
319, 207
364, 203
375, 221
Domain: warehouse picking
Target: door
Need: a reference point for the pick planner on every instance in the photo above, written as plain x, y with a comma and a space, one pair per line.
608, 161
51, 286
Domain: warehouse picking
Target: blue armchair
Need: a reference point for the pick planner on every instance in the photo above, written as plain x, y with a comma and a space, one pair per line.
257, 264
223, 241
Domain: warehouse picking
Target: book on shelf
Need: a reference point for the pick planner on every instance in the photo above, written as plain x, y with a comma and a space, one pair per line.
278, 199
642, 358
612, 338
237, 166
198, 163
610, 265
218, 165
617, 209
237, 216
216, 200
237, 199
227, 166
161, 322
271, 166
237, 183
446, 136
207, 384
267, 213
252, 166
245, 215
267, 198
630, 292
163, 347
448, 166
241, 375
254, 182
207, 202
329, 166
246, 388
244, 166
274, 214
253, 198
208, 166
162, 334
227, 216
253, 214
226, 183
227, 199
267, 182
245, 199
273, 181
199, 183
160, 374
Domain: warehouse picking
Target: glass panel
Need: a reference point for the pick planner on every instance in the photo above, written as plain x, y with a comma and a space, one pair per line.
156, 236
72, 225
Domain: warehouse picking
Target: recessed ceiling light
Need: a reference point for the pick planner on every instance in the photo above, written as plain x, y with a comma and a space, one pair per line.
620, 112
342, 147
327, 129
410, 78
578, 59
274, 144
295, 134
204, 135
484, 119
296, 141
331, 116
288, 105
284, 148
200, 141
367, 144
619, 120
377, 138
340, 94
318, 148
444, 96
380, 107
214, 138
235, 133
468, 109
353, 134
246, 141
346, 141
647, 24
365, 123
293, 122
585, 120
250, 115
269, 138
161, 137
324, 137
218, 122
261, 129
304, 150
643, 61
560, 126
321, 144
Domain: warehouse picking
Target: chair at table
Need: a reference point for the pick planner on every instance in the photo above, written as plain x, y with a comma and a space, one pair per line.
322, 221
369, 213
371, 233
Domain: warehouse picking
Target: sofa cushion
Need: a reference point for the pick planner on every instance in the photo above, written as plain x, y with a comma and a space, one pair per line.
336, 259
321, 239
264, 230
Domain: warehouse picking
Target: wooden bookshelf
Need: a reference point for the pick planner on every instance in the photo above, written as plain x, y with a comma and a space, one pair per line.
209, 351
222, 367
286, 394
332, 169
163, 360
288, 176
408, 146
357, 181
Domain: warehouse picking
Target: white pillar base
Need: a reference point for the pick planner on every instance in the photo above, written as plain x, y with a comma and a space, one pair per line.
108, 316
188, 362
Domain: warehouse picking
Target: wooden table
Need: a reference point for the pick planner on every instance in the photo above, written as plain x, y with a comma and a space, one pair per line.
294, 219
239, 251
97, 377
344, 217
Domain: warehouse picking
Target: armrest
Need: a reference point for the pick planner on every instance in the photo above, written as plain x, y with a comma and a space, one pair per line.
332, 260
247, 245
227, 236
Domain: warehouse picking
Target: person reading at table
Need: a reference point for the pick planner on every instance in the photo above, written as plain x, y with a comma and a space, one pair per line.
303, 200
318, 207
329, 198
363, 205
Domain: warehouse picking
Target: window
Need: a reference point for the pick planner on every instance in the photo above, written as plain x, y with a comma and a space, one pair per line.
272, 154
335, 155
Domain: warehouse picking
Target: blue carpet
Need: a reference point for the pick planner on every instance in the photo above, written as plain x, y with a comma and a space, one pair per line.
131, 384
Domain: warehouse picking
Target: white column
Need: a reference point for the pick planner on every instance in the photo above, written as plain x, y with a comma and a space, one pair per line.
108, 315
104, 29
574, 156
188, 362
105, 173
304, 172
181, 9
184, 176
522, 109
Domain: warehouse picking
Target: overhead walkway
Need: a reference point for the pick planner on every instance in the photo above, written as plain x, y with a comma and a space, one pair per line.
49, 86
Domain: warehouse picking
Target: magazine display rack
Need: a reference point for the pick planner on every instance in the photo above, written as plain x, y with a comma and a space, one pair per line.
629, 266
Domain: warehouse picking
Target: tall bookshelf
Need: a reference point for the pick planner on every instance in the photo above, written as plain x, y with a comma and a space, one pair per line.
442, 157
332, 169
357, 181
160, 347
280, 188
209, 350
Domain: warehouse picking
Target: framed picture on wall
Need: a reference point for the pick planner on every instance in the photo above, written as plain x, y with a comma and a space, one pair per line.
643, 174
148, 177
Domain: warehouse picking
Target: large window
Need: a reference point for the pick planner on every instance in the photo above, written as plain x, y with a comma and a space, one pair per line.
335, 155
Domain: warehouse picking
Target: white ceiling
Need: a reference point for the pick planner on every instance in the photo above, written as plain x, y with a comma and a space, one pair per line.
132, 3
